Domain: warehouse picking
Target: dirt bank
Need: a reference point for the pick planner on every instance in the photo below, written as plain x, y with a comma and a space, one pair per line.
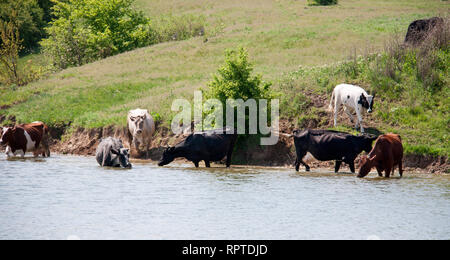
84, 142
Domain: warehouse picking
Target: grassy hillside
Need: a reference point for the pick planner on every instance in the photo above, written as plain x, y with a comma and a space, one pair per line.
279, 35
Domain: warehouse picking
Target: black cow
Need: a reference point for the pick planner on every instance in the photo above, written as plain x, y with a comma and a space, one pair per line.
209, 146
326, 145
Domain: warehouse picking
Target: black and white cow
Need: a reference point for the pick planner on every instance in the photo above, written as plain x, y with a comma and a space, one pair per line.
351, 97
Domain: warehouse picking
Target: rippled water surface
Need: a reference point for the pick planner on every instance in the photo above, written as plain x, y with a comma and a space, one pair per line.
71, 197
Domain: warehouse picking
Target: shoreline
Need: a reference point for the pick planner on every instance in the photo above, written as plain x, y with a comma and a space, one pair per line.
84, 142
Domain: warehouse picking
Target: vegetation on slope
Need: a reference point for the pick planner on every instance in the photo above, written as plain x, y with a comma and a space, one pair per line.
279, 36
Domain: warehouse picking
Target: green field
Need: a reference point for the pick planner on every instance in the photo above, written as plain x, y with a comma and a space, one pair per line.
280, 36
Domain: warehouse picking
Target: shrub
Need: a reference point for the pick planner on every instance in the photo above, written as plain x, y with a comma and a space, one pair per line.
88, 30
234, 80
84, 31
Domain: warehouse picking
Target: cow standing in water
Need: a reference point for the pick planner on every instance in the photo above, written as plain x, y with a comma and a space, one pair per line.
326, 145
385, 155
351, 97
24, 138
208, 146
140, 127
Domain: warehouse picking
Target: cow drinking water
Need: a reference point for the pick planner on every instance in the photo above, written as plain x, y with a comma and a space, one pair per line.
140, 127
209, 146
385, 155
351, 97
24, 138
110, 152
327, 145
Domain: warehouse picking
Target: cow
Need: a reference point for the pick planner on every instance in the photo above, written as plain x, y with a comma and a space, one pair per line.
326, 145
140, 129
419, 30
209, 146
110, 152
24, 138
385, 155
351, 97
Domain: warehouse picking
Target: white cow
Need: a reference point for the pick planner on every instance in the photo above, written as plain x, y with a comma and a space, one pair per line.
353, 97
141, 128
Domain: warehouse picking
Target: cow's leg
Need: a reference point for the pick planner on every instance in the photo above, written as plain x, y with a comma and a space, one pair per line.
306, 165
196, 163
207, 164
388, 172
380, 171
400, 168
299, 161
136, 145
337, 166
349, 114
360, 121
336, 107
22, 153
352, 166
229, 156
8, 152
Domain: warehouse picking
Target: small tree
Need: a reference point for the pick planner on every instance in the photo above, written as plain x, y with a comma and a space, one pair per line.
235, 81
9, 51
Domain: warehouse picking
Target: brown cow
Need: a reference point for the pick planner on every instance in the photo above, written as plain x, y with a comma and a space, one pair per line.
385, 155
26, 138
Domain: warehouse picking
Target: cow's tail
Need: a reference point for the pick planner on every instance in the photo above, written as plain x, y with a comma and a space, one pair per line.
332, 101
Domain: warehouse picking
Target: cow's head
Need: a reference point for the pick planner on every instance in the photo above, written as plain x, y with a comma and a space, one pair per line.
138, 122
122, 157
168, 156
366, 165
5, 135
366, 102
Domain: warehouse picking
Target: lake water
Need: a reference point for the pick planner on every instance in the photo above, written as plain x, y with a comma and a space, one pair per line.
70, 197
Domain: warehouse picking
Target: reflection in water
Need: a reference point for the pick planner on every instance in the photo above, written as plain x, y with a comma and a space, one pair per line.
69, 197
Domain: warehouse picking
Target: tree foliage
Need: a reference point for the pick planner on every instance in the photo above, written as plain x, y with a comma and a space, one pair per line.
29, 19
9, 51
84, 31
234, 80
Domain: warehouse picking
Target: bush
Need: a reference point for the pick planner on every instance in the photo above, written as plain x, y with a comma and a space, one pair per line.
29, 20
322, 2
234, 80
85, 31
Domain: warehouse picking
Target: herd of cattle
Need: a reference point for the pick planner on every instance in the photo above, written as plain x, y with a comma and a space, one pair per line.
212, 146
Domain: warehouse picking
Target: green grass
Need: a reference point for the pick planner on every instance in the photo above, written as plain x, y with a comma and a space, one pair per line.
280, 36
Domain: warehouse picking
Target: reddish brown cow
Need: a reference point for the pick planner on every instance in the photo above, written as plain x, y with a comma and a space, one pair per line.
26, 138
385, 155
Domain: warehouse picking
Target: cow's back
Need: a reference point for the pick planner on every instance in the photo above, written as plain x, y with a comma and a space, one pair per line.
214, 145
388, 145
325, 145
36, 131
